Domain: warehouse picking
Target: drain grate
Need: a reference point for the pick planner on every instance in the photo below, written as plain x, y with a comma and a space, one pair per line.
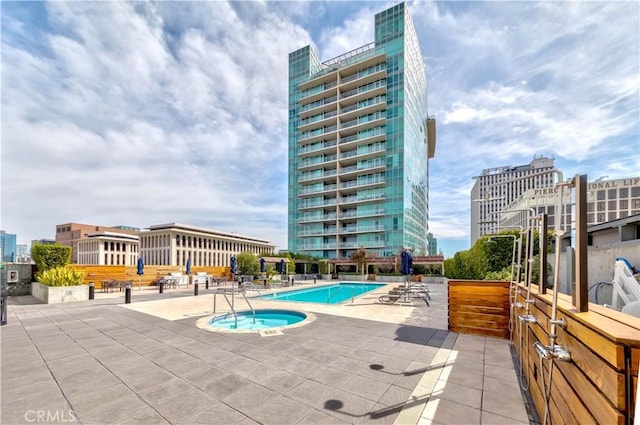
271, 332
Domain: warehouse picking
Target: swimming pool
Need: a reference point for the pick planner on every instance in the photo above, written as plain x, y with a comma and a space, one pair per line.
329, 294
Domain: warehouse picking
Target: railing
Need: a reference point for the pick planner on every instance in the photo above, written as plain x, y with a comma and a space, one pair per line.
365, 88
318, 103
317, 146
364, 72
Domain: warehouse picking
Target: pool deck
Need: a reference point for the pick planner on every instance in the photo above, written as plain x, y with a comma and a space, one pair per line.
106, 362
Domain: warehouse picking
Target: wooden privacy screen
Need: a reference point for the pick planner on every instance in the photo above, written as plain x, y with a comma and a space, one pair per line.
596, 386
97, 274
479, 307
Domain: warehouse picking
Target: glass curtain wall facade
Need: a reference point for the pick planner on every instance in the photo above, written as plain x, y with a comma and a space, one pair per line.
358, 165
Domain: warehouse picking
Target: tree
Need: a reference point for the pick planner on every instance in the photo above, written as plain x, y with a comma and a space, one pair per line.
359, 256
247, 263
50, 256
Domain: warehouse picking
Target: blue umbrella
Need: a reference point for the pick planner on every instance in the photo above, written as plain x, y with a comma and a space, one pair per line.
234, 265
188, 267
405, 262
262, 265
140, 272
281, 266
410, 264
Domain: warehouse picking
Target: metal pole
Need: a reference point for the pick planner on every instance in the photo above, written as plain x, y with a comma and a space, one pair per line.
161, 286
195, 289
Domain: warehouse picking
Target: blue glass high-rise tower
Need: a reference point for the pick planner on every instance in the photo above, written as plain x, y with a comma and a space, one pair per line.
359, 146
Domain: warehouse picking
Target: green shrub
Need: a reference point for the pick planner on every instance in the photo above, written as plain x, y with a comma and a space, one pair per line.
50, 256
60, 276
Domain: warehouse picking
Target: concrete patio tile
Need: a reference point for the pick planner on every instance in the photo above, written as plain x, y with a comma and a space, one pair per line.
226, 384
318, 418
468, 366
250, 400
458, 393
166, 390
95, 383
365, 387
216, 413
310, 393
448, 412
506, 373
394, 396
330, 376
145, 415
453, 374
19, 409
381, 414
348, 407
280, 410
510, 405
280, 381
492, 419
114, 404
173, 409
495, 385
148, 381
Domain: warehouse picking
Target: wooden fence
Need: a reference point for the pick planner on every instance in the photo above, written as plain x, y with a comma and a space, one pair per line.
479, 307
97, 274
598, 385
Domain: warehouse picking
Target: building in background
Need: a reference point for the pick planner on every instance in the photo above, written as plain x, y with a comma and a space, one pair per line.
23, 255
433, 244
360, 141
496, 188
108, 249
8, 247
69, 234
43, 241
173, 244
607, 200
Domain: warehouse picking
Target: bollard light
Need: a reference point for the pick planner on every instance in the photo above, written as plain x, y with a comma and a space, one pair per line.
195, 289
92, 290
161, 286
127, 294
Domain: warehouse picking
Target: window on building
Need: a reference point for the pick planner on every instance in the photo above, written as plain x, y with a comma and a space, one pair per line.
600, 195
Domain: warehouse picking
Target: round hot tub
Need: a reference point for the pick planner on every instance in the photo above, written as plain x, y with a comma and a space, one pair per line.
254, 321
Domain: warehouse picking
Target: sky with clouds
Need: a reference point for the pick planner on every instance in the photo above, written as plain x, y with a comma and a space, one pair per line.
118, 113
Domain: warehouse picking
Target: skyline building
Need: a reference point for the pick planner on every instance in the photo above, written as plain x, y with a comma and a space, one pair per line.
8, 247
496, 188
360, 141
433, 244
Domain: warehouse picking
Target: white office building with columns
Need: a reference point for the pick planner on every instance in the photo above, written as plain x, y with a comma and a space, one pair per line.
173, 244
108, 249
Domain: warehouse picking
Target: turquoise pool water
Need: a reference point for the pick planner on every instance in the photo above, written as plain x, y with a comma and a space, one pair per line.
264, 319
330, 294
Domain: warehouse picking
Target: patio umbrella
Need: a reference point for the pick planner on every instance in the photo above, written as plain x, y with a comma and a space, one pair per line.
281, 266
405, 262
262, 265
234, 265
188, 266
140, 272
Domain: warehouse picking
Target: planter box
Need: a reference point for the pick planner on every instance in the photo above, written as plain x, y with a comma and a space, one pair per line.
59, 294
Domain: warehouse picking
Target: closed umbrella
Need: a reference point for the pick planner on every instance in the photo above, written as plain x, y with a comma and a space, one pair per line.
188, 266
281, 266
140, 272
262, 265
234, 265
405, 262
